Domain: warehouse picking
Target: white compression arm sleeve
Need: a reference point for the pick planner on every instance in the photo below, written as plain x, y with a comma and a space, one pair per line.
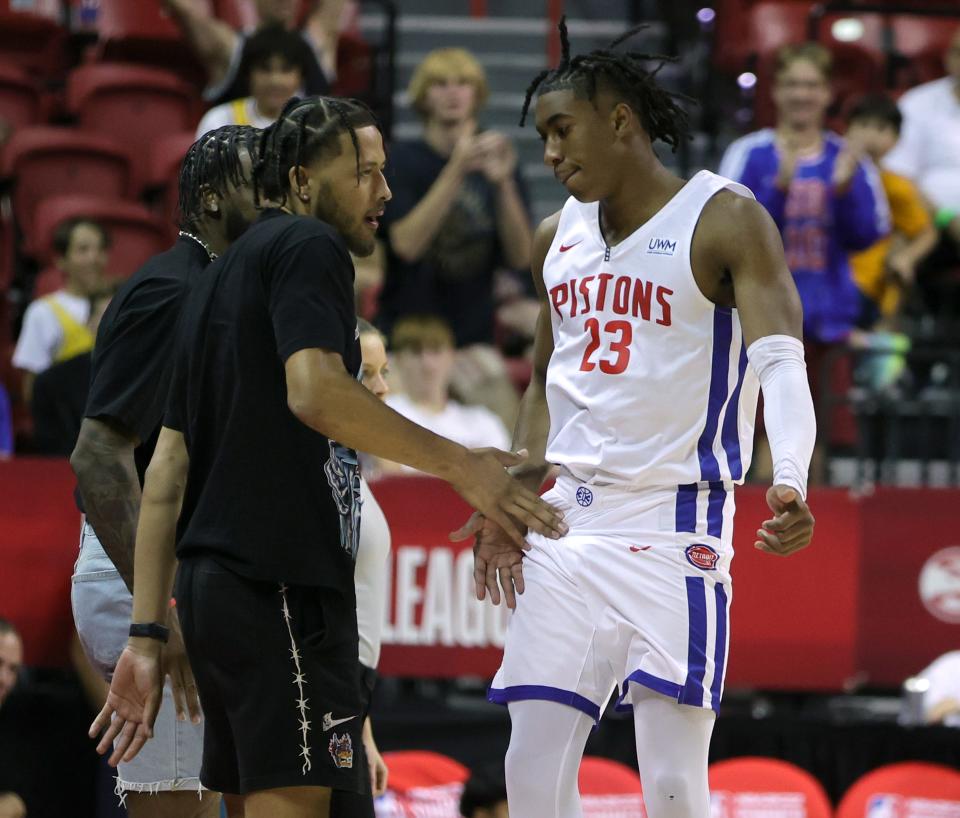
787, 407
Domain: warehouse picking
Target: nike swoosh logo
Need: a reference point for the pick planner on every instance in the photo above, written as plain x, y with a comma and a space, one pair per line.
565, 247
329, 722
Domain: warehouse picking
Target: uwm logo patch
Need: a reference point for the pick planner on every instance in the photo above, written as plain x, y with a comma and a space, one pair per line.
702, 557
662, 247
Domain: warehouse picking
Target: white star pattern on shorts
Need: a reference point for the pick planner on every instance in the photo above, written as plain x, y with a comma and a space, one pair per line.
299, 679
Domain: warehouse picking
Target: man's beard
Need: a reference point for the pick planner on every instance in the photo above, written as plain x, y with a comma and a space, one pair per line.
327, 209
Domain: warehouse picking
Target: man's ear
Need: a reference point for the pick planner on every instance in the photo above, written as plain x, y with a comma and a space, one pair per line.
210, 200
299, 179
622, 117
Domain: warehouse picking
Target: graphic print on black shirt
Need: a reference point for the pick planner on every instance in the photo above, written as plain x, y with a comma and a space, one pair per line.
343, 475
265, 498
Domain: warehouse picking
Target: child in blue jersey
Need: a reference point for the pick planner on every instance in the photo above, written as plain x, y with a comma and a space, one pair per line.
827, 201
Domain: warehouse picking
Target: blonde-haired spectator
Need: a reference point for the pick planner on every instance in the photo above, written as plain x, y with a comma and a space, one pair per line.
459, 214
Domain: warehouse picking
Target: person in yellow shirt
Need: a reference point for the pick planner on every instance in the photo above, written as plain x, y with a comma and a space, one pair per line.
885, 271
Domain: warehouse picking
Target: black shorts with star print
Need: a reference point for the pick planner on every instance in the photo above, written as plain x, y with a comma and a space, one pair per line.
278, 675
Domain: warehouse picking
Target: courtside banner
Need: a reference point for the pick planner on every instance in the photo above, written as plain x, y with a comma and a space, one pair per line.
874, 599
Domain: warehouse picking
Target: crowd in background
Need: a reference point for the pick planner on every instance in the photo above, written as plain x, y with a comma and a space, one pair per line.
870, 223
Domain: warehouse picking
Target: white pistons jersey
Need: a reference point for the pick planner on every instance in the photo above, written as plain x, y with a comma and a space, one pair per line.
649, 384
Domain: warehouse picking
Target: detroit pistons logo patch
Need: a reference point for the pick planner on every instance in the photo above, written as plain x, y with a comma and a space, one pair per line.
341, 751
584, 496
702, 557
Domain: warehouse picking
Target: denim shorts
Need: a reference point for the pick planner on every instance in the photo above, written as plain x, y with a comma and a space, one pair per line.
101, 610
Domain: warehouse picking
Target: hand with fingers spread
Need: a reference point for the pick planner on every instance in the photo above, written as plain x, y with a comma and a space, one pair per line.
792, 526
132, 702
495, 555
485, 484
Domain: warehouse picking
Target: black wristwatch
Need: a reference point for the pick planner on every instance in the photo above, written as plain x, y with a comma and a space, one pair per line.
151, 630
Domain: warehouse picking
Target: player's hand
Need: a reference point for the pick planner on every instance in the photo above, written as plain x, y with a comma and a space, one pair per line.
792, 526
176, 665
495, 555
376, 766
484, 483
133, 700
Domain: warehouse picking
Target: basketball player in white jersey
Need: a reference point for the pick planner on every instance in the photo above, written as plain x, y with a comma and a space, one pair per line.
665, 306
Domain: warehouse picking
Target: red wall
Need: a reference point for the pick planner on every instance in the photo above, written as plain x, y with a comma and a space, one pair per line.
847, 608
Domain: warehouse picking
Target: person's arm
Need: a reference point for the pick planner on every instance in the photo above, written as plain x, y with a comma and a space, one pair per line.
496, 561
323, 25
212, 40
533, 419
325, 397
861, 215
499, 164
137, 685
110, 487
736, 236
411, 235
377, 766
743, 163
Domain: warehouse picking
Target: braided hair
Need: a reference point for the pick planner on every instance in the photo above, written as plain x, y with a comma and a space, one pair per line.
627, 75
305, 131
213, 162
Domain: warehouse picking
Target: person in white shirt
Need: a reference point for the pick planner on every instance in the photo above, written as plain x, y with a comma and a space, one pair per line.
424, 354
274, 66
929, 148
55, 327
941, 702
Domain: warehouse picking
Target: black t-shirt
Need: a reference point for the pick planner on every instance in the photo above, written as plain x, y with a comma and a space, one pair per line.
454, 278
57, 405
266, 496
133, 357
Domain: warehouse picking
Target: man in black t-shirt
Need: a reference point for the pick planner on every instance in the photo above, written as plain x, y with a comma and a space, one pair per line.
129, 377
257, 449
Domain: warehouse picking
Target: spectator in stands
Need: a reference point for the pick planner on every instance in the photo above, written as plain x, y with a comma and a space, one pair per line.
886, 270
55, 327
423, 349
929, 151
221, 48
459, 213
828, 202
11, 658
60, 394
275, 61
485, 794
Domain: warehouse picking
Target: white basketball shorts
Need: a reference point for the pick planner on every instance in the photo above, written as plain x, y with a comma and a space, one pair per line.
637, 593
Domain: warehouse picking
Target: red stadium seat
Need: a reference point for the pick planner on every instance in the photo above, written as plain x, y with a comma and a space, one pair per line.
609, 788
33, 40
910, 788
49, 161
162, 171
48, 280
21, 103
136, 233
422, 783
750, 786
141, 32
141, 103
922, 42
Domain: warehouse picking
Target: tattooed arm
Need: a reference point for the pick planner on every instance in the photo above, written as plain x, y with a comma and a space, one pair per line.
110, 488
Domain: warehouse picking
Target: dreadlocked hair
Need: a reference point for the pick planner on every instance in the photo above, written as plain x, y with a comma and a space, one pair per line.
307, 130
626, 73
212, 163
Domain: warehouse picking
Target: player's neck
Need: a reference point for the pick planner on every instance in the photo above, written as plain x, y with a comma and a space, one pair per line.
442, 136
212, 234
638, 199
